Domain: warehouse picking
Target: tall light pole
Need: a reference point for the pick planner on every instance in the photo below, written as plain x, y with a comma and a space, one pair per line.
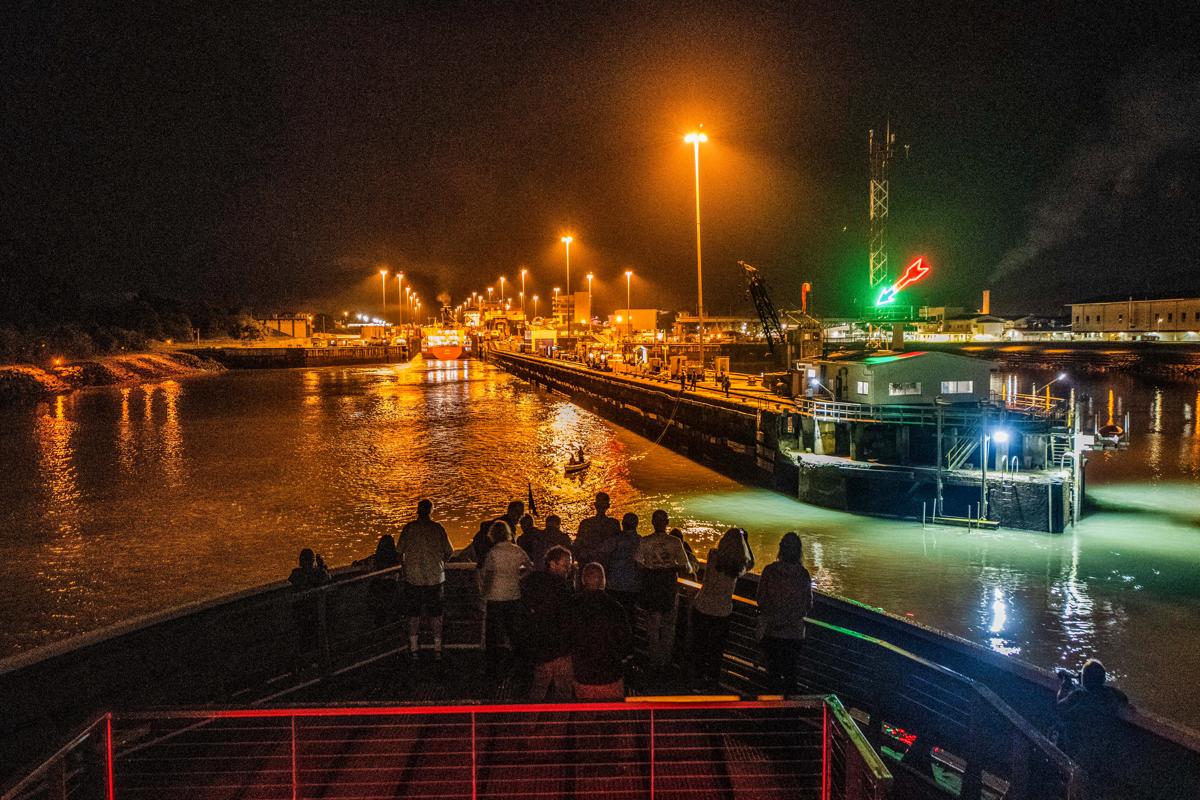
628, 310
502, 290
566, 240
523, 271
400, 295
535, 299
695, 139
489, 295
383, 285
589, 277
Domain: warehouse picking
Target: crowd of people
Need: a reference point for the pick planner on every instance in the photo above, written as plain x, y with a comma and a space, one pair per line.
560, 610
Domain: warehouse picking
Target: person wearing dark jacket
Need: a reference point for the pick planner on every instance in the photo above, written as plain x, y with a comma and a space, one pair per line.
310, 574
482, 542
601, 640
1088, 711
546, 596
785, 598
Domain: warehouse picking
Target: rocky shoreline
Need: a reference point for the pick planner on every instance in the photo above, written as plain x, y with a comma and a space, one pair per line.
25, 384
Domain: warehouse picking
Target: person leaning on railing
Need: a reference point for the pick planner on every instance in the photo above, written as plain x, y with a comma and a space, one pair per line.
310, 574
785, 597
500, 588
713, 604
1088, 712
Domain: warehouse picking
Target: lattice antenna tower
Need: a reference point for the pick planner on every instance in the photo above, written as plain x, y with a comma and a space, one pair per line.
881, 156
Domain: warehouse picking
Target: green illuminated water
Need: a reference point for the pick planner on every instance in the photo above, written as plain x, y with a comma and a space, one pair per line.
128, 500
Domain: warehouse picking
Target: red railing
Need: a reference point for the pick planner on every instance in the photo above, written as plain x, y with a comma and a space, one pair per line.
659, 749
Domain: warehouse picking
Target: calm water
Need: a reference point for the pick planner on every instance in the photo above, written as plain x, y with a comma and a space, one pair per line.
119, 502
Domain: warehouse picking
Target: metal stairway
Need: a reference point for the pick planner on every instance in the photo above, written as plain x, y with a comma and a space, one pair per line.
963, 449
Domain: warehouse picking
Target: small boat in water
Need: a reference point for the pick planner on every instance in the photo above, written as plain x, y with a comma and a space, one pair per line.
577, 466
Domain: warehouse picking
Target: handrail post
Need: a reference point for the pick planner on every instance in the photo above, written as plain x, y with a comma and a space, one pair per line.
972, 779
56, 780
874, 732
295, 765
1018, 771
474, 760
652, 754
323, 632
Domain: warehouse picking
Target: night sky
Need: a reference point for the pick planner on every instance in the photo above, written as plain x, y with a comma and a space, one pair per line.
255, 156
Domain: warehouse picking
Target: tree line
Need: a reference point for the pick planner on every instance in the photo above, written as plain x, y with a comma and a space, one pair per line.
44, 323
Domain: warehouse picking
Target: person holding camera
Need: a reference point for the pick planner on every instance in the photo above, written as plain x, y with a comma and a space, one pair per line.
713, 605
1088, 709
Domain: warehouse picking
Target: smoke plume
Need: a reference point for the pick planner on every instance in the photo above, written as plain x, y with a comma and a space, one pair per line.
1154, 110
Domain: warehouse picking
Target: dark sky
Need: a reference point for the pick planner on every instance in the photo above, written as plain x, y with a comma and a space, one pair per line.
253, 155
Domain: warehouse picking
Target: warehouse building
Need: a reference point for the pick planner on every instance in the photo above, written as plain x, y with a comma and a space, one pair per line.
1176, 319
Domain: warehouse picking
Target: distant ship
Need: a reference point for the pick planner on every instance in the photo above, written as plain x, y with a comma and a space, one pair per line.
444, 344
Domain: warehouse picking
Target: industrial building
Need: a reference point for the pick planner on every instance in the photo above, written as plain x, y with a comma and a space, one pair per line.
913, 377
1175, 319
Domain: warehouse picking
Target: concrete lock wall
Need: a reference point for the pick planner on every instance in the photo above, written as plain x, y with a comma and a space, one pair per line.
752, 445
723, 435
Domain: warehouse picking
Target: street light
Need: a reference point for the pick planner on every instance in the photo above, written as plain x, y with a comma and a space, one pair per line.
523, 271
695, 139
535, 299
566, 240
501, 288
489, 295
383, 285
399, 297
628, 310
589, 277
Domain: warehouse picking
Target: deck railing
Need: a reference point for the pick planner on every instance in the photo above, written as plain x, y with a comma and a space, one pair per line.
249, 650
936, 720
801, 748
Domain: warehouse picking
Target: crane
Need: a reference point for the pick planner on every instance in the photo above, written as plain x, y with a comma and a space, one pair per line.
756, 287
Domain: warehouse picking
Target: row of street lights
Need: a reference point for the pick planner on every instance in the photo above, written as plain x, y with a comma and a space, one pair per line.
413, 302
695, 139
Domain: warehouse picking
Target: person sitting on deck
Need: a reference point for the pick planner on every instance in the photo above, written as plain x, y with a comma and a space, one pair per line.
546, 597
601, 640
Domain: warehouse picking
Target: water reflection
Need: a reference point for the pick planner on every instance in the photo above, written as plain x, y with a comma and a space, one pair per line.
59, 476
239, 471
126, 452
171, 435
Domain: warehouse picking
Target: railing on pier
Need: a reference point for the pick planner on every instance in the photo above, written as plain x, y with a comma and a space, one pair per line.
927, 415
1043, 406
803, 747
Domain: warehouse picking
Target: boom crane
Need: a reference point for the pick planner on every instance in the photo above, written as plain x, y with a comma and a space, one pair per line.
756, 287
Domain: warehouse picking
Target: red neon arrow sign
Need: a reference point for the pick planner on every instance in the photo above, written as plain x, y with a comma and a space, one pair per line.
916, 270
